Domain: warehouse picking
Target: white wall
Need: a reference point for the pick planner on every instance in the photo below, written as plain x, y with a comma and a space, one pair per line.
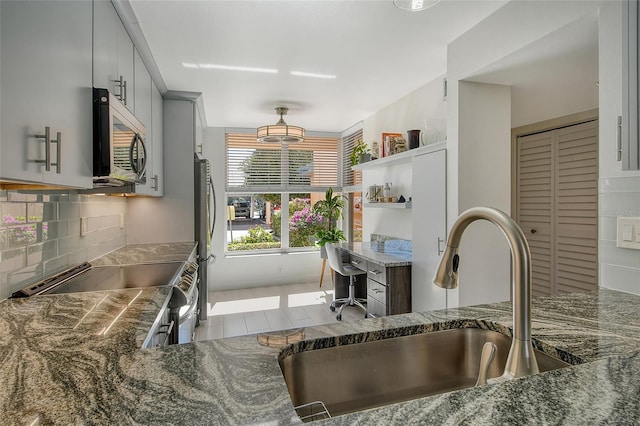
238, 271
513, 27
484, 140
170, 218
423, 106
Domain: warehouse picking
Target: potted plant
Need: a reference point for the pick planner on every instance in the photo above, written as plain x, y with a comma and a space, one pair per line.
360, 154
330, 209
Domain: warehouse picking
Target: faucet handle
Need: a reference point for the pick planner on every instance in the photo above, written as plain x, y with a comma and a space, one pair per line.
488, 354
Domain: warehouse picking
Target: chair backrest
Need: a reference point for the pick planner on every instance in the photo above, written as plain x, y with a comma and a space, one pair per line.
334, 258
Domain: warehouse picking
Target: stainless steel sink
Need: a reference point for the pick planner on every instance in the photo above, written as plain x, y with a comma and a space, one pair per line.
355, 377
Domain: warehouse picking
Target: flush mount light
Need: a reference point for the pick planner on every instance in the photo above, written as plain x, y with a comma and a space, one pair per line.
280, 132
415, 5
313, 75
229, 68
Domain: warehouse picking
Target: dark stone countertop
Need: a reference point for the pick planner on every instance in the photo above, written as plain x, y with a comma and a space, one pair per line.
74, 359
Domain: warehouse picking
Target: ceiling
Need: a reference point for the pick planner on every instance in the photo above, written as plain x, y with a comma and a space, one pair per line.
377, 53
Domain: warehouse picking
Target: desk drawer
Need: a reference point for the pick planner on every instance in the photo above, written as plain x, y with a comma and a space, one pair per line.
377, 291
358, 262
377, 273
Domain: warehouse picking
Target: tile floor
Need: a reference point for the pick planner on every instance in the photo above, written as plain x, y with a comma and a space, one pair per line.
250, 311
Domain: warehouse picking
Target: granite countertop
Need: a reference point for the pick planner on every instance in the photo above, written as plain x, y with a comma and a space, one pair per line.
387, 253
147, 253
59, 369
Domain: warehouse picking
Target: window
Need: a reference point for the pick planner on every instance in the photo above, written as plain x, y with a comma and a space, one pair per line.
269, 182
351, 184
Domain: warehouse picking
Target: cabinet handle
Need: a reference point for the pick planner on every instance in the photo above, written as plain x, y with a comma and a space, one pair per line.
122, 92
619, 138
199, 146
355, 262
58, 142
374, 272
440, 241
47, 148
154, 185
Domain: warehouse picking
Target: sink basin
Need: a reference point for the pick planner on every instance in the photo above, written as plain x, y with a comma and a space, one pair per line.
359, 376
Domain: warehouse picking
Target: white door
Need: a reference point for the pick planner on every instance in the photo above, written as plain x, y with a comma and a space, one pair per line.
557, 207
429, 228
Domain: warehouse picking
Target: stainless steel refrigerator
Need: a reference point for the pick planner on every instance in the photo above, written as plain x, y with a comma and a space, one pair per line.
205, 215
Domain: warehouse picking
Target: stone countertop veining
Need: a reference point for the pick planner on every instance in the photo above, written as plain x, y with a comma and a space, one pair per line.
81, 378
393, 252
147, 253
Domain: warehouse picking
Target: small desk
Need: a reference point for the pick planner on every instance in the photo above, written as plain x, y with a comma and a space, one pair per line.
388, 267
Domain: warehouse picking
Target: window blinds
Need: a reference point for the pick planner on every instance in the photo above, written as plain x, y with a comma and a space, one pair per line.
349, 177
253, 166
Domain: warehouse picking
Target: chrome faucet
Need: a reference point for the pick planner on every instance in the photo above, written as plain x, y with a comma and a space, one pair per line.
521, 360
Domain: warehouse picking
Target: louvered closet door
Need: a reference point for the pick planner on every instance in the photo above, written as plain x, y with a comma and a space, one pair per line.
535, 205
576, 199
557, 206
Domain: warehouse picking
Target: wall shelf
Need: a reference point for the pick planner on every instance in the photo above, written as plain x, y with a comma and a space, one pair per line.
389, 205
403, 157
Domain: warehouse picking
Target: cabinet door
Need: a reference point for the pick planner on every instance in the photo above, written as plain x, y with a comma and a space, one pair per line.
113, 54
126, 67
157, 132
142, 111
46, 81
429, 229
106, 24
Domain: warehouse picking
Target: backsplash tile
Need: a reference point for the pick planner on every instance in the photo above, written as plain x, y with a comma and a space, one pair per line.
40, 233
619, 267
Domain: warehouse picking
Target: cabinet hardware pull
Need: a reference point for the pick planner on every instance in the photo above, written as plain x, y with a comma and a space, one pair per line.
199, 148
122, 92
47, 148
355, 262
154, 185
440, 251
619, 138
374, 272
124, 85
58, 142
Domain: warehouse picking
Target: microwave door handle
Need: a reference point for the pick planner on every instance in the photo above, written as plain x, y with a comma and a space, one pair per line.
136, 143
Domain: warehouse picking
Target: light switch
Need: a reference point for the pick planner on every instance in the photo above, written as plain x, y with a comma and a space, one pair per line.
628, 233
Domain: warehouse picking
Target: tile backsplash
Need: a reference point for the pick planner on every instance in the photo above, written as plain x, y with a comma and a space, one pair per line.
619, 267
40, 233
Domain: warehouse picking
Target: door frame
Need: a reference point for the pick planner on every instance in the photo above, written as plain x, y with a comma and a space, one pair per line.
539, 127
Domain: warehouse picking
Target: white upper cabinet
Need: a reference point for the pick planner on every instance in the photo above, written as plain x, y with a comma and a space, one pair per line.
113, 54
46, 84
157, 132
142, 111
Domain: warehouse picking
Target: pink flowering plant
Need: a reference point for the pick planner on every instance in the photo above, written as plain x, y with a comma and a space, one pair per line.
304, 223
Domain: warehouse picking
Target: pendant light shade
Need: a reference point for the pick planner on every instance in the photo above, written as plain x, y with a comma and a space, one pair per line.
415, 5
280, 132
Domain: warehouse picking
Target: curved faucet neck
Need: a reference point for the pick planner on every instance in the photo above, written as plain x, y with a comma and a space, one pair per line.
521, 353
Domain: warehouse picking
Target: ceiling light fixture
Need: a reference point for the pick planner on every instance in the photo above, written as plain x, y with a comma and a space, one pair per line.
280, 132
415, 5
313, 75
229, 68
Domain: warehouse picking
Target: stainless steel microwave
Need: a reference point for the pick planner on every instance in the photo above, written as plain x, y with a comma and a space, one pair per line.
119, 150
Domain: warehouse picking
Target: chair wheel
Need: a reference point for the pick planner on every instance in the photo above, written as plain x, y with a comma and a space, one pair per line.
333, 308
339, 317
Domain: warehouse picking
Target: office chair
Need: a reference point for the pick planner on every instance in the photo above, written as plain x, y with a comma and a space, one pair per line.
346, 269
